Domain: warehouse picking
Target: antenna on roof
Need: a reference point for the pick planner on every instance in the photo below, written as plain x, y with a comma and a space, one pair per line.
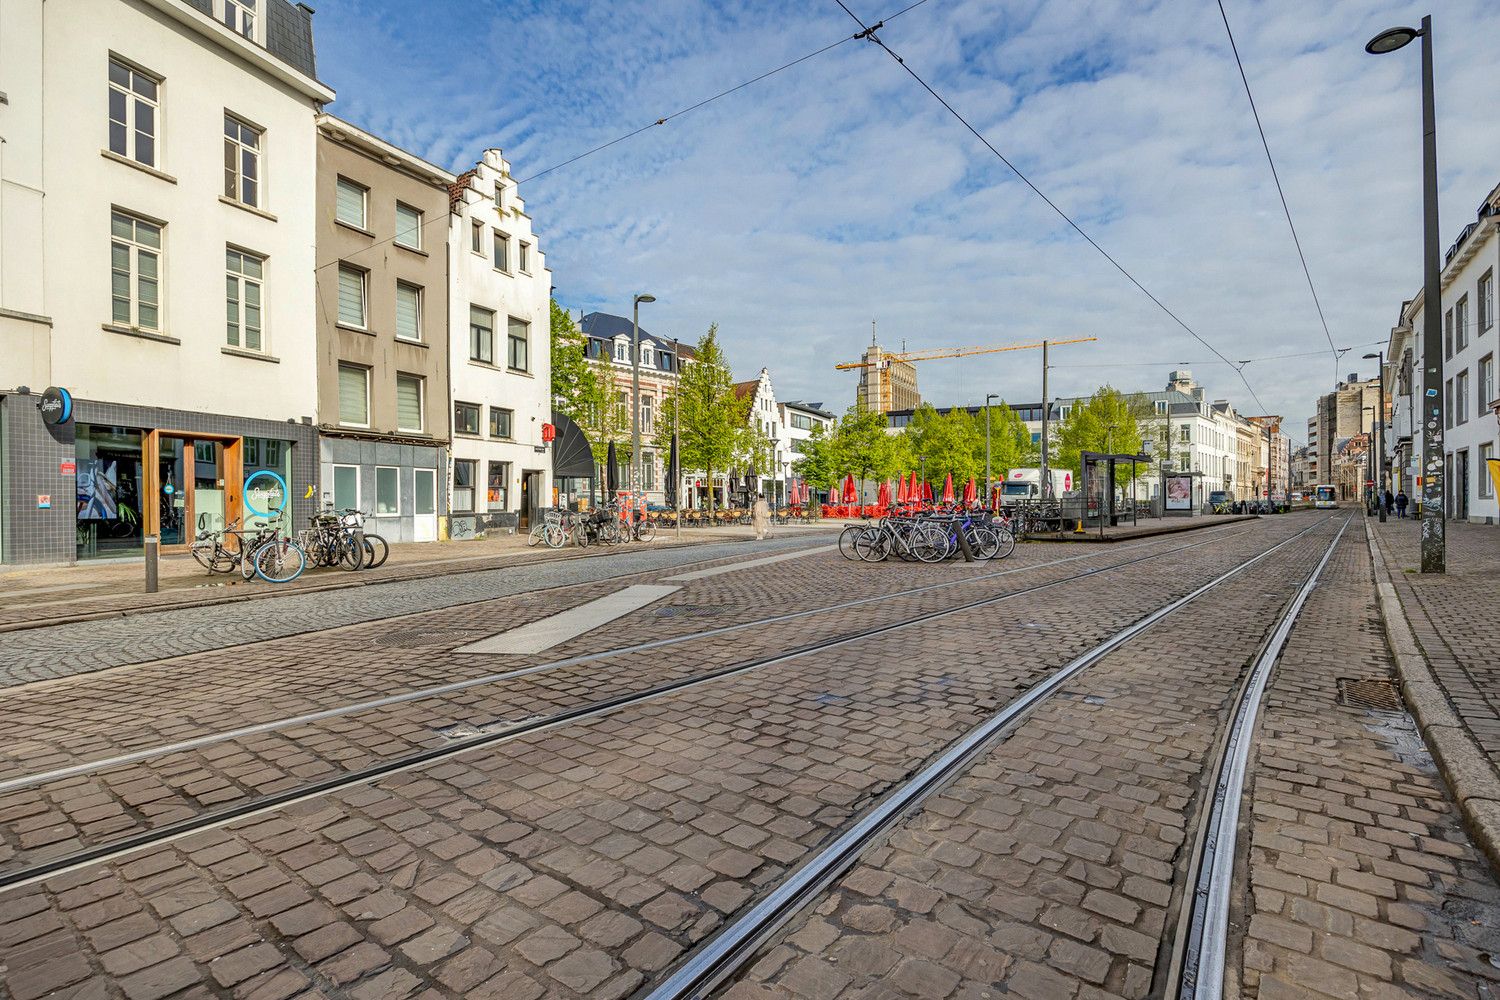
873, 341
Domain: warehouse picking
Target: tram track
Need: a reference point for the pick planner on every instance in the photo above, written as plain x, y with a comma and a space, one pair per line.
727, 953
120, 848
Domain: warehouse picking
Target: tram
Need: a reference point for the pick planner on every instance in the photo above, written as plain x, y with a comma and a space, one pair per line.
1325, 496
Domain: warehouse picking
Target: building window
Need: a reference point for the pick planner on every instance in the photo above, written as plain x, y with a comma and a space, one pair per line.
1486, 384
408, 227
1461, 396
499, 196
463, 484
409, 408
525, 259
497, 486
622, 406
1486, 301
502, 252
1448, 334
466, 418
622, 351
1461, 324
647, 414
481, 336
346, 487
242, 298
241, 161
645, 356
648, 470
1486, 484
476, 237
133, 110
135, 272
387, 491
1448, 404
354, 395
500, 422
350, 202
239, 15
408, 312
515, 350
351, 296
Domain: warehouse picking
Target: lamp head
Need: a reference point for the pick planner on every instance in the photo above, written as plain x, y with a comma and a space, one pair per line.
645, 298
1372, 357
1390, 40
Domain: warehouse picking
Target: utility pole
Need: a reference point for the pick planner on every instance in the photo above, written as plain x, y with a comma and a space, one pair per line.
677, 440
635, 397
1046, 412
988, 489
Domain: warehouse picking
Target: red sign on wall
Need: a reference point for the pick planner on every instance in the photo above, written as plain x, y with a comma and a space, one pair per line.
68, 468
549, 433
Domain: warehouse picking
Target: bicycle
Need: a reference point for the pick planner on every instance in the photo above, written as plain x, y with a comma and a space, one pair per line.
210, 552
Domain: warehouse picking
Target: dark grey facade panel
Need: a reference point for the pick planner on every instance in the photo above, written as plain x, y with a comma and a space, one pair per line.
289, 35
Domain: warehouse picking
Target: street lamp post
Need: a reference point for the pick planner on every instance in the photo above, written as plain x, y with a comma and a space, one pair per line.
635, 395
1434, 557
988, 479
1046, 408
677, 440
1380, 422
1370, 462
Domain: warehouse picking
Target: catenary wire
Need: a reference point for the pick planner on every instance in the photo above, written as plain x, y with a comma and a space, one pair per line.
1276, 176
1166, 364
443, 219
868, 32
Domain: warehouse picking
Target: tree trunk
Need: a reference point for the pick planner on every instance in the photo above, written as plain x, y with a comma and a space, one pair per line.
709, 480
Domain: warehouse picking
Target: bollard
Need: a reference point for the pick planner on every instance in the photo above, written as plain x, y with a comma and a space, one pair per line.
152, 558
963, 545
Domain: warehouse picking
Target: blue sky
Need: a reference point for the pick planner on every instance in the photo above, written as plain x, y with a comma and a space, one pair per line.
798, 210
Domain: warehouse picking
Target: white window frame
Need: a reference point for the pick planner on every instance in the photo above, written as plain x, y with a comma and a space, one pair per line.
1485, 391
473, 487
421, 427
136, 251
1486, 297
364, 203
523, 257
474, 327
132, 98
645, 355
375, 508
1485, 452
417, 230
234, 183
494, 410
501, 258
242, 281
476, 237
358, 486
1461, 324
359, 368
400, 285
622, 351
510, 340
1461, 396
240, 15
648, 413
364, 296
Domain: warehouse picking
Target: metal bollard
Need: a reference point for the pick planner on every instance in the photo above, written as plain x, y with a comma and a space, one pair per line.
153, 556
963, 546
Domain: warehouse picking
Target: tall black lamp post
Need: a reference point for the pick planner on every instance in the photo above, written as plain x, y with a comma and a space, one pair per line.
1379, 357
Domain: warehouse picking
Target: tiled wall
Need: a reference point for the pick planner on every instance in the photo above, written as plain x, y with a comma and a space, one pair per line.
405, 457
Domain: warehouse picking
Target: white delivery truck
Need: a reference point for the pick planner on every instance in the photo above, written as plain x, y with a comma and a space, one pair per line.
1026, 484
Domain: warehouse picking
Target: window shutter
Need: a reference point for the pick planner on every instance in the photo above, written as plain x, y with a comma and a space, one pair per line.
408, 403
351, 297
408, 226
349, 204
354, 393
408, 301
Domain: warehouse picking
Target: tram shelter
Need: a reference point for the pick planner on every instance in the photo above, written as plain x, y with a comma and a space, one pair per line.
1105, 503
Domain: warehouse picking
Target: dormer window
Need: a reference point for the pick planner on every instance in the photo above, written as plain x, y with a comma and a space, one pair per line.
622, 351
240, 16
645, 355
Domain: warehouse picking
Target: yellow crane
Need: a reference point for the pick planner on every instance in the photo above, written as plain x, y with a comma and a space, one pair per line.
882, 361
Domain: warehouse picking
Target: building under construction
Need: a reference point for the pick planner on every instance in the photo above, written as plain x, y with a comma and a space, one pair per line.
886, 384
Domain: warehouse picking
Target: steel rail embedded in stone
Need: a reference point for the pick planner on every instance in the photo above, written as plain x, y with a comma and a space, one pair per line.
373, 704
1202, 963
731, 949
170, 832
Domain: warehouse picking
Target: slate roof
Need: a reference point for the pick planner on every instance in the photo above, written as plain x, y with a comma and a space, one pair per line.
289, 34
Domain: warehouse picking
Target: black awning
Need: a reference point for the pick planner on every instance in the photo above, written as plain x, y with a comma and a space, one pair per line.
571, 454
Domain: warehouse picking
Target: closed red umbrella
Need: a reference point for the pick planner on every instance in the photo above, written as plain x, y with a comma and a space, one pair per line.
948, 489
927, 491
971, 493
849, 494
901, 494
883, 498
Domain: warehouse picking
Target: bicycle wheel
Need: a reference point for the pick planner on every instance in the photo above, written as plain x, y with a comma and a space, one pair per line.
280, 561
351, 552
213, 557
580, 536
929, 544
646, 532
536, 535
553, 536
1005, 542
846, 541
246, 557
871, 545
376, 551
984, 542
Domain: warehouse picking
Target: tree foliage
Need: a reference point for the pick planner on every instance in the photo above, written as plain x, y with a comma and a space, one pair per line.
574, 378
1011, 446
715, 431
1108, 421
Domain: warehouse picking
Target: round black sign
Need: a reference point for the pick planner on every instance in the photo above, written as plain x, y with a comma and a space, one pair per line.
56, 406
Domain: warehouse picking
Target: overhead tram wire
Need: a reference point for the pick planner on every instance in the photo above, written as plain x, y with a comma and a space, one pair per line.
868, 33
1166, 364
647, 127
1276, 176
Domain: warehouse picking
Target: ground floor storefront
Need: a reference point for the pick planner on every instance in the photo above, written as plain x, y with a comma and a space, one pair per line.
97, 484
496, 487
397, 484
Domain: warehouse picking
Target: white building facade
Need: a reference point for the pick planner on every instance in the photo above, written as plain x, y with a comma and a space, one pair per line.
159, 155
1471, 397
500, 474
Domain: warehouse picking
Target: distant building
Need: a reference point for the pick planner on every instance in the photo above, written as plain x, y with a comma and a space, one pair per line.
886, 384
798, 422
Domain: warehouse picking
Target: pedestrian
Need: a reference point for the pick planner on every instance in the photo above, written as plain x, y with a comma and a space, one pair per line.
1401, 501
760, 517
1390, 501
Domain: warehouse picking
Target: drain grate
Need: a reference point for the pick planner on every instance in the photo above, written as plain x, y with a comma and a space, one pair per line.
687, 610
1376, 694
415, 638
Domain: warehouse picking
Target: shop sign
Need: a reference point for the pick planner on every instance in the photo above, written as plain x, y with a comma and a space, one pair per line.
69, 468
56, 406
44, 501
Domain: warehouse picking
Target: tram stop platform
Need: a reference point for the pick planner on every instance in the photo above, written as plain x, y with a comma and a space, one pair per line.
1145, 528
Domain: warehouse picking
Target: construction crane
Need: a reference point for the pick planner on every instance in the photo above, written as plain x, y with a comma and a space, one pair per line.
881, 361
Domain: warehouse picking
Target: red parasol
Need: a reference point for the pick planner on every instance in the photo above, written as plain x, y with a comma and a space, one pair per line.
971, 492
927, 491
883, 498
948, 489
901, 493
849, 494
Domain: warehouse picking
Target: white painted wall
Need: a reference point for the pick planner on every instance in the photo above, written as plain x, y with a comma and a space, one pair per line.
205, 70
25, 344
526, 296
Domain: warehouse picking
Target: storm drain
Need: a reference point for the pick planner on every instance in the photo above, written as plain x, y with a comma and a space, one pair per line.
415, 638
1372, 694
689, 610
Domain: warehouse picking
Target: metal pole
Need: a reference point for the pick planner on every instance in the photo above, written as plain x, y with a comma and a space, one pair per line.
153, 552
1434, 555
635, 399
1380, 468
677, 437
987, 477
1046, 410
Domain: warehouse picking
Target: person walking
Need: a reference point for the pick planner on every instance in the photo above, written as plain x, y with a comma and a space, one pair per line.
1401, 501
760, 517
1390, 502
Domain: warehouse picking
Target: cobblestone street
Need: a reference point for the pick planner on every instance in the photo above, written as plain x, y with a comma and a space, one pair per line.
330, 802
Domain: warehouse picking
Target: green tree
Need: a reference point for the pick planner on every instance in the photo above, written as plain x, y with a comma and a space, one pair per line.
1011, 446
821, 461
575, 381
944, 443
715, 423
1109, 421
865, 447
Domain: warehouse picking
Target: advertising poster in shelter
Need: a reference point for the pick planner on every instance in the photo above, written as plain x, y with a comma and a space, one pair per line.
1179, 493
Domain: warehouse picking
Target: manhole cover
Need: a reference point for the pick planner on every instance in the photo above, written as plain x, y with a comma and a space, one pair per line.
685, 610
414, 638
1372, 695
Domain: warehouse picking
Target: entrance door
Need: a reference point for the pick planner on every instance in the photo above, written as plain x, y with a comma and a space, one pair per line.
531, 497
172, 495
424, 506
196, 486
1460, 487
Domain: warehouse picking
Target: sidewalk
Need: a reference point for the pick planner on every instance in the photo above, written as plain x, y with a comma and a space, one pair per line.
51, 595
1445, 635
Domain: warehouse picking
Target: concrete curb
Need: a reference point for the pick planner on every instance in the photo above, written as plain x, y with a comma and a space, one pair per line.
1463, 765
1092, 536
